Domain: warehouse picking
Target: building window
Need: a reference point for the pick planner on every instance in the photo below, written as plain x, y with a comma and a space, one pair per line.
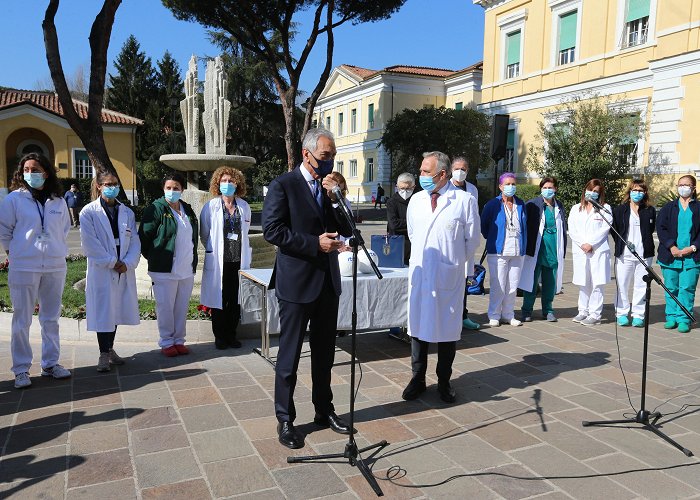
340, 123
353, 121
636, 23
369, 167
513, 54
339, 167
328, 122
509, 161
370, 116
314, 124
567, 38
629, 149
353, 168
82, 167
459, 106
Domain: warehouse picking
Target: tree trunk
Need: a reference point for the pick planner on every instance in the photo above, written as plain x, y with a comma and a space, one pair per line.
291, 136
89, 130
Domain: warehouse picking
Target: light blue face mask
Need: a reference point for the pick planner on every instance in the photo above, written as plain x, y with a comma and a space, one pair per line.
636, 196
427, 182
172, 196
227, 188
548, 193
509, 190
592, 195
34, 179
110, 192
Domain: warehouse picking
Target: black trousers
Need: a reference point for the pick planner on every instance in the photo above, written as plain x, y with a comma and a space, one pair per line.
322, 317
419, 359
106, 340
224, 321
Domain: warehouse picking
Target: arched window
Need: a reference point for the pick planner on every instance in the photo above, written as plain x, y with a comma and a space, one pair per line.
32, 146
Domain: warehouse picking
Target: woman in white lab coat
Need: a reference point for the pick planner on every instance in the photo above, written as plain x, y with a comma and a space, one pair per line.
223, 230
34, 224
112, 247
589, 229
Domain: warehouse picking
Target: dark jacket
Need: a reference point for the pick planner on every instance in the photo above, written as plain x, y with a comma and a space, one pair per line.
396, 208
157, 233
73, 200
667, 230
293, 221
647, 226
533, 210
493, 225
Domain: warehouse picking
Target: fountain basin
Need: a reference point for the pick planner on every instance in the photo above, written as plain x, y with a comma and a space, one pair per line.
185, 162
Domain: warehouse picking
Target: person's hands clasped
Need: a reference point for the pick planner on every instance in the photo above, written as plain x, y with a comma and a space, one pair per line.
587, 248
328, 184
327, 243
120, 267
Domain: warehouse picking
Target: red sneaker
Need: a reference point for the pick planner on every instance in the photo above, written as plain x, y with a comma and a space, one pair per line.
170, 352
182, 349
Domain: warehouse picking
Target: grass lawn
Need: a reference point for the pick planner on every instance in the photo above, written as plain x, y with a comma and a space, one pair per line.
74, 300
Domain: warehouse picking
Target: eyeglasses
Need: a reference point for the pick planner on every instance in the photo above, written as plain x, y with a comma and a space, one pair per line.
638, 191
685, 185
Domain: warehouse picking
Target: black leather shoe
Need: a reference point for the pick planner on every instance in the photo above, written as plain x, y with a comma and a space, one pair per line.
415, 388
235, 343
221, 344
333, 421
447, 393
288, 435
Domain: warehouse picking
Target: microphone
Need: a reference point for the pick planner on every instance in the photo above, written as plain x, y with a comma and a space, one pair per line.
338, 193
598, 205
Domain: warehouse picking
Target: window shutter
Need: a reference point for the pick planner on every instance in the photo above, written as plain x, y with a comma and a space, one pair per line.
510, 139
370, 113
637, 9
567, 30
513, 56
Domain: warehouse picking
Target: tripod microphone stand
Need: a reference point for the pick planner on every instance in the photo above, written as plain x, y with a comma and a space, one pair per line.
351, 451
647, 419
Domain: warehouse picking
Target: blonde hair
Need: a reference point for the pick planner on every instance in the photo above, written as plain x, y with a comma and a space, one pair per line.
236, 176
338, 177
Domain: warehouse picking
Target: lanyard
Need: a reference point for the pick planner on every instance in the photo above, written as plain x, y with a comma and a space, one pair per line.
41, 215
509, 214
232, 219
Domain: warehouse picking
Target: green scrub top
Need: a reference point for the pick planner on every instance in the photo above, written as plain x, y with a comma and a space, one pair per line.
685, 225
548, 246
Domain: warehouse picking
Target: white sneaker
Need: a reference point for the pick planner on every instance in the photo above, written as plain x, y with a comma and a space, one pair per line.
551, 318
579, 318
22, 380
494, 322
56, 371
590, 321
515, 322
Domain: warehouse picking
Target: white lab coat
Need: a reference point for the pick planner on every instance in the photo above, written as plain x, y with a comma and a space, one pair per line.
528, 271
211, 233
110, 297
591, 228
442, 242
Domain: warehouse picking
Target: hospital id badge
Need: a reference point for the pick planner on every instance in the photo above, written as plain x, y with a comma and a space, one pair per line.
43, 237
232, 236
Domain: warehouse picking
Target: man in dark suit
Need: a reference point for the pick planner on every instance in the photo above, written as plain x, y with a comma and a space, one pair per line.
302, 218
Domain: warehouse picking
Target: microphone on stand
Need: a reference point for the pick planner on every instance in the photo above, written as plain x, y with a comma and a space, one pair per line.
598, 205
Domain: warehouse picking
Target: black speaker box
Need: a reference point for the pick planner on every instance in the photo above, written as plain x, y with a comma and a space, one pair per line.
499, 137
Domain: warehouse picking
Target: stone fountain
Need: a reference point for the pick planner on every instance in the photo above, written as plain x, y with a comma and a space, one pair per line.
216, 115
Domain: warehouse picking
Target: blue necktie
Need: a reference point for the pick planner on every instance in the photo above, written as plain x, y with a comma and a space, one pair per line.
318, 194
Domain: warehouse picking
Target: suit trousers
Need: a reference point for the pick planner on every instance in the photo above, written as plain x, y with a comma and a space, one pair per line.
26, 287
172, 302
322, 317
419, 359
630, 271
224, 321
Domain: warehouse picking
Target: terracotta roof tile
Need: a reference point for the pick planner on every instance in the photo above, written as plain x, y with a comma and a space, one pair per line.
361, 72
365, 73
48, 101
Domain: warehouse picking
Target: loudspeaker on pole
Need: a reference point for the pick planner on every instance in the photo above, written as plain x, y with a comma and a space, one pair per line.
499, 137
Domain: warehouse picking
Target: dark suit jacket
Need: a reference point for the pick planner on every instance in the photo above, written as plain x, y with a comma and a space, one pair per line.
667, 230
293, 221
533, 210
396, 208
647, 225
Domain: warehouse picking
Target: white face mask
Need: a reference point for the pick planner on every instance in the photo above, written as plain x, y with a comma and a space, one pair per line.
405, 193
459, 175
685, 191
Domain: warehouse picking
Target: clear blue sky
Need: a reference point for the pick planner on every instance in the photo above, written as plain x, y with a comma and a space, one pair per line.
438, 33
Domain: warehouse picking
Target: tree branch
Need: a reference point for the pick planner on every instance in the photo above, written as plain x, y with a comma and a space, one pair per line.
100, 35
295, 73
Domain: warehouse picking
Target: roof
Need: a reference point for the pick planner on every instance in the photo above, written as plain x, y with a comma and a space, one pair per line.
48, 101
365, 73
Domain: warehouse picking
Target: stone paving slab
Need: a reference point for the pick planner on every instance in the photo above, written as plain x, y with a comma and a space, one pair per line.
203, 425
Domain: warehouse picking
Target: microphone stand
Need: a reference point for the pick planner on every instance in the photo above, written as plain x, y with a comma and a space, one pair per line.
647, 419
351, 451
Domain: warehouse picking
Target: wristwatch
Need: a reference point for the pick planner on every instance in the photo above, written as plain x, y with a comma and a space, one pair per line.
693, 248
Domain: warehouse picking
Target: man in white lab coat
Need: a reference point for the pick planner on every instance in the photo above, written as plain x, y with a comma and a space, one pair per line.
442, 226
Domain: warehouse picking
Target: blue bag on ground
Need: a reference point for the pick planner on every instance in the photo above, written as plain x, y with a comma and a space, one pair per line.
475, 286
389, 249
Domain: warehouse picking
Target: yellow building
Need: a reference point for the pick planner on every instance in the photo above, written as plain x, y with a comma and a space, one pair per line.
34, 122
642, 54
357, 103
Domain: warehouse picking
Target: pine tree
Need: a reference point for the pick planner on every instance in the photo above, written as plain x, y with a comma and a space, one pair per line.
133, 87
